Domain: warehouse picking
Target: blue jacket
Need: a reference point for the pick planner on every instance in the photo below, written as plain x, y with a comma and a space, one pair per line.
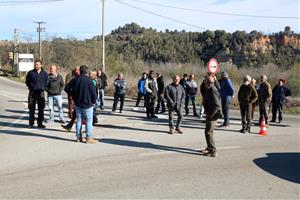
141, 86
83, 92
226, 89
37, 81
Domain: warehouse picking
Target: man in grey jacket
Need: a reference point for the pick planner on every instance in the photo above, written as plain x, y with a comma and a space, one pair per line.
213, 110
54, 88
175, 96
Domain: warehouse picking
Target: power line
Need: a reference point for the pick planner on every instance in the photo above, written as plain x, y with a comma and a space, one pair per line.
162, 16
215, 12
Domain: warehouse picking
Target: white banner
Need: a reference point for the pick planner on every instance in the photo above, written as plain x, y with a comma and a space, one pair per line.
26, 62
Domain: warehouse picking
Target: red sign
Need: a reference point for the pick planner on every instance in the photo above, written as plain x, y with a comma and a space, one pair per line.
212, 65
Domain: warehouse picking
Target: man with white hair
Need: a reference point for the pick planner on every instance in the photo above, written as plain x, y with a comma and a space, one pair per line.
264, 98
247, 95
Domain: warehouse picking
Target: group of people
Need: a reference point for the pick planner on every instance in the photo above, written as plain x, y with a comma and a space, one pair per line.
86, 88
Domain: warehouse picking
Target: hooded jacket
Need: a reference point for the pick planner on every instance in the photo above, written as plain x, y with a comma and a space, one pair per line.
55, 84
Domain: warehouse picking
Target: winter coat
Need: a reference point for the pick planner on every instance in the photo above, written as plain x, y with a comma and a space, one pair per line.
264, 92
226, 89
151, 87
141, 86
247, 94
55, 85
212, 103
174, 95
120, 86
280, 93
83, 92
36, 81
191, 88
160, 85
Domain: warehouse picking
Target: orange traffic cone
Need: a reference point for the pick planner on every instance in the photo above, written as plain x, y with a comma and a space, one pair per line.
263, 129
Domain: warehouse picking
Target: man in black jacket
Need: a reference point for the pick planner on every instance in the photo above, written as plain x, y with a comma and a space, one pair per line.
54, 88
280, 92
212, 106
101, 85
175, 95
151, 94
36, 81
84, 94
160, 93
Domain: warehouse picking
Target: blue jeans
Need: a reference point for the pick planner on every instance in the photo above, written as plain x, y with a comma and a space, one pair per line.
52, 100
225, 108
100, 100
201, 108
88, 115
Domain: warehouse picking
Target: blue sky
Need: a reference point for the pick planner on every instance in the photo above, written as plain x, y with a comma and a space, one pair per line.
81, 19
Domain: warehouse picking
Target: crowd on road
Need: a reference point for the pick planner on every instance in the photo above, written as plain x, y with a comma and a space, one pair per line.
85, 89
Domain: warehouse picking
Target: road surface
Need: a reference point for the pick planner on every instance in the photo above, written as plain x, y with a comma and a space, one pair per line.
137, 158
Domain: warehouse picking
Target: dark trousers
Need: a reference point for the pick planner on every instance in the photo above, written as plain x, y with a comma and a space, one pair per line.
225, 109
209, 135
71, 107
263, 111
33, 99
140, 96
187, 101
277, 107
150, 102
171, 117
160, 102
246, 116
118, 97
73, 119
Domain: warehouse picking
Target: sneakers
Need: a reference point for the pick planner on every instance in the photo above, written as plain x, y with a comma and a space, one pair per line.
67, 128
224, 126
135, 108
83, 140
91, 141
62, 121
178, 131
87, 141
210, 154
41, 126
204, 151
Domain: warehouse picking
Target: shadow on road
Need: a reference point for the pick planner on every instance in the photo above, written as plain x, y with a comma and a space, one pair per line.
148, 145
283, 165
111, 126
29, 134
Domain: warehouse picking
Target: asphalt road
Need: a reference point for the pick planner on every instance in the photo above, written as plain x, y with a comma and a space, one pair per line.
137, 158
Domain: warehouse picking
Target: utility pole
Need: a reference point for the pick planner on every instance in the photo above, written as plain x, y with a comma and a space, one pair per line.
103, 38
39, 30
16, 52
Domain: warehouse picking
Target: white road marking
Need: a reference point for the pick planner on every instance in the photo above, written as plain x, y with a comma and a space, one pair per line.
2, 93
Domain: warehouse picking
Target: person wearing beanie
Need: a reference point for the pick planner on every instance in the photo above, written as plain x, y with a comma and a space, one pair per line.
247, 95
280, 92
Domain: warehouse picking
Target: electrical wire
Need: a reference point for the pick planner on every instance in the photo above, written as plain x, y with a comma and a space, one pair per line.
25, 2
162, 16
215, 12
